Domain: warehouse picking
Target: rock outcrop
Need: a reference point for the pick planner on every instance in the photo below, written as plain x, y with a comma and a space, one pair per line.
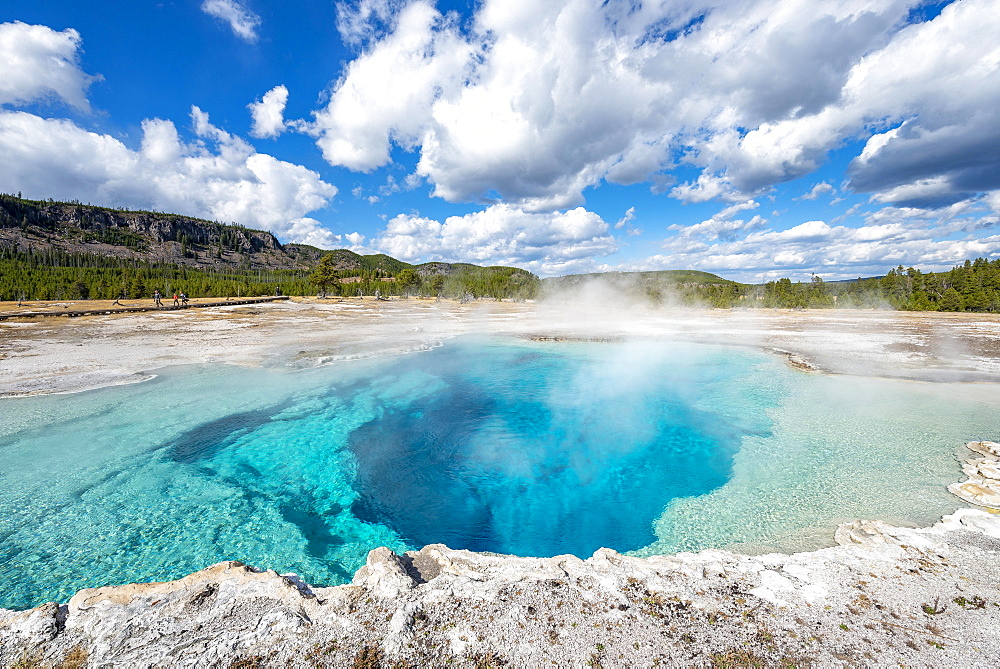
887, 594
143, 235
982, 488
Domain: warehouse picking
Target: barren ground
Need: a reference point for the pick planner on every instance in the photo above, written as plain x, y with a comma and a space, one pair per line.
59, 354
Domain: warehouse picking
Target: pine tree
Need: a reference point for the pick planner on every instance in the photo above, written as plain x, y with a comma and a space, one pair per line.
325, 274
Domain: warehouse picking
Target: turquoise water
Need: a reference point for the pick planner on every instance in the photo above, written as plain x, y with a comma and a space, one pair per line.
490, 445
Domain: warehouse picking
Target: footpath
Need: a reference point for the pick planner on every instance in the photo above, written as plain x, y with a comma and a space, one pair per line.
124, 309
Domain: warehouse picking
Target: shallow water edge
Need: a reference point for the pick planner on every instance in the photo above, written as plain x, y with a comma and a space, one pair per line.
748, 523
279, 469
865, 600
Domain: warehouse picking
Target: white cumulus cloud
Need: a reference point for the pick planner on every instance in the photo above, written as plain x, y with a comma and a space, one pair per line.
385, 96
723, 225
268, 113
364, 20
217, 176
626, 219
822, 188
549, 243
38, 62
242, 21
307, 230
532, 103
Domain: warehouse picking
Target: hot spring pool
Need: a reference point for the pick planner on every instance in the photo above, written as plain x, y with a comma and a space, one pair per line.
486, 444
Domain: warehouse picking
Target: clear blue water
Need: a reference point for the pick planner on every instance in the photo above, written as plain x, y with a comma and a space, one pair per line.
541, 451
490, 445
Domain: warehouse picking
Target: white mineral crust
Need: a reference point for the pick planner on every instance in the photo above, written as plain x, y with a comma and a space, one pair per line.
982, 488
928, 596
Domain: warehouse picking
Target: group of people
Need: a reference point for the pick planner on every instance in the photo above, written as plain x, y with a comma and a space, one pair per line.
180, 299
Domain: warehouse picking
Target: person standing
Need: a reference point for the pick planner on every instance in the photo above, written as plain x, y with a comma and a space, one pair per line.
156, 299
177, 300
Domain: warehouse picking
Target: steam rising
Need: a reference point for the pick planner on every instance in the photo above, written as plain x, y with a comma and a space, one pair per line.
569, 402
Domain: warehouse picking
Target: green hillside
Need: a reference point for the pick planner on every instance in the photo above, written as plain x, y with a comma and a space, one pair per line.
67, 250
971, 286
661, 277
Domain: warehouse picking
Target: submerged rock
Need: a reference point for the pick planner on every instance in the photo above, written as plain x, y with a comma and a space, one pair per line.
886, 594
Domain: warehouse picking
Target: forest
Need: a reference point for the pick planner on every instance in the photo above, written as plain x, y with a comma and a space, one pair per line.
971, 286
48, 252
57, 275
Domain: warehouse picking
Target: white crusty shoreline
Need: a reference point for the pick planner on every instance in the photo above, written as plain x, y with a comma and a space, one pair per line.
928, 596
50, 355
922, 597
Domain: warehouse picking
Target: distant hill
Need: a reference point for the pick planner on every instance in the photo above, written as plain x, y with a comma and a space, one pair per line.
156, 237
633, 280
345, 260
56, 250
867, 278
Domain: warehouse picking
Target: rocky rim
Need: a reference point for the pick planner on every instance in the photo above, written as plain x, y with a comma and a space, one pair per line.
926, 596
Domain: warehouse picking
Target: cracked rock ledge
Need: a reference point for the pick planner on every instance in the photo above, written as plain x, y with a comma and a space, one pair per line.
928, 596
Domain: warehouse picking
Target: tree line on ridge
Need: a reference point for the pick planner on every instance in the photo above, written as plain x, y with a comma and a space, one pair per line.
46, 253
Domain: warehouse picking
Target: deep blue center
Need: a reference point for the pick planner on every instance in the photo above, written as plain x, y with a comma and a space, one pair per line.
490, 445
537, 452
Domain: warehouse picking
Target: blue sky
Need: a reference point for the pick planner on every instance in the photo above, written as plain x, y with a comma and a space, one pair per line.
752, 139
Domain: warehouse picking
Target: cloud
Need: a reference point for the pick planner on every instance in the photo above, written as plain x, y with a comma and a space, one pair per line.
822, 188
532, 103
390, 187
217, 176
501, 234
365, 20
626, 219
268, 113
945, 145
722, 226
241, 20
39, 63
705, 188
930, 96
915, 166
748, 251
310, 231
386, 95
993, 200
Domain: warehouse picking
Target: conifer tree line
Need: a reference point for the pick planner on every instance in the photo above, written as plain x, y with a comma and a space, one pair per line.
972, 286
53, 274
56, 275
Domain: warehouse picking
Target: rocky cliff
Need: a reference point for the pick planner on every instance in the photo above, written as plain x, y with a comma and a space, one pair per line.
154, 237
143, 235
